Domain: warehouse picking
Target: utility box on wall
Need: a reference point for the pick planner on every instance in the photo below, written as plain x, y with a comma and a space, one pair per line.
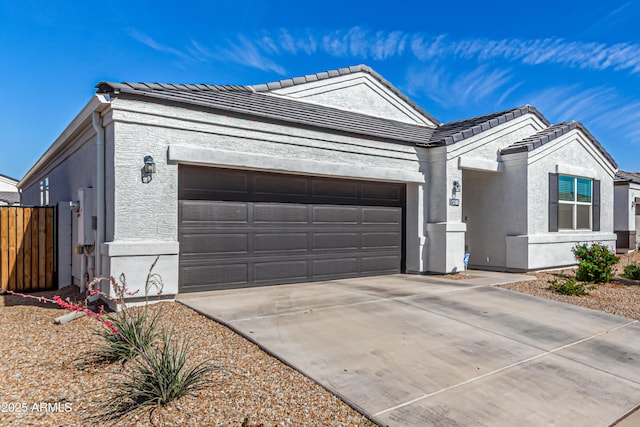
86, 217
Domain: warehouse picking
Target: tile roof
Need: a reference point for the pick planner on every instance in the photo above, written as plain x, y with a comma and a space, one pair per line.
10, 197
266, 87
245, 101
452, 132
624, 177
549, 134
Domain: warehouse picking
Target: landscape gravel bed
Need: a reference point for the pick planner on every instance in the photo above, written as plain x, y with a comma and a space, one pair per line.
620, 297
42, 383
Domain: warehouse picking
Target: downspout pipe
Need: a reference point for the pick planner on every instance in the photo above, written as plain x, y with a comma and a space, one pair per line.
96, 120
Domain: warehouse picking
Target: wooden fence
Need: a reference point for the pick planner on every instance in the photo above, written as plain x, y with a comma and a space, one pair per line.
27, 242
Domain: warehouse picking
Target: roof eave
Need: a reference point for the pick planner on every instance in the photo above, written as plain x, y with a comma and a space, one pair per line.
98, 102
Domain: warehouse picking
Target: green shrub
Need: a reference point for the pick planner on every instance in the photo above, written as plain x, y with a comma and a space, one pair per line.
569, 286
632, 271
159, 376
137, 330
596, 262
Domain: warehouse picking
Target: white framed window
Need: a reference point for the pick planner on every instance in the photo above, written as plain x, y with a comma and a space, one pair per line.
575, 203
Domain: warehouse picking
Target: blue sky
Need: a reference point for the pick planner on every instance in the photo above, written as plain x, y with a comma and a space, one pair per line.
572, 60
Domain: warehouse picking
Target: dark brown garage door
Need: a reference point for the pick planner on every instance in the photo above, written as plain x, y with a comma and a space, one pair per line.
245, 228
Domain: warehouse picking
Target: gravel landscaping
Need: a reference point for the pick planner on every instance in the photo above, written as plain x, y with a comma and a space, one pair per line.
621, 296
42, 383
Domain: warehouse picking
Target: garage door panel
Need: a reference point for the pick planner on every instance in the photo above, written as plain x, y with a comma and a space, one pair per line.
333, 267
382, 191
280, 242
271, 229
372, 215
196, 186
281, 213
379, 264
195, 212
214, 243
380, 240
332, 241
213, 276
281, 185
282, 270
335, 214
329, 188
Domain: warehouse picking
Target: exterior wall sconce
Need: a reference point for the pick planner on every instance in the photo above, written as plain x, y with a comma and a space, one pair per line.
454, 200
633, 203
148, 169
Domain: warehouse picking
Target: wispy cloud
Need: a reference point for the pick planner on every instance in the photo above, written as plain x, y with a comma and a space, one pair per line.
265, 49
247, 53
596, 56
362, 43
150, 42
451, 89
600, 106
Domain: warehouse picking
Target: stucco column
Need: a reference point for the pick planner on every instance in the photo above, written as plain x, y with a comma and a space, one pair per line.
445, 229
416, 235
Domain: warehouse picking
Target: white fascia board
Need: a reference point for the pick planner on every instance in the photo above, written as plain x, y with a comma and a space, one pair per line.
97, 103
243, 160
479, 164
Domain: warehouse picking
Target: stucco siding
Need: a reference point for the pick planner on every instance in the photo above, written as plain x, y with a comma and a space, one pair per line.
494, 207
73, 170
356, 92
574, 154
487, 144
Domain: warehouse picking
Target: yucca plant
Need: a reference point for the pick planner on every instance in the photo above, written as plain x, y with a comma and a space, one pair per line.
136, 332
160, 375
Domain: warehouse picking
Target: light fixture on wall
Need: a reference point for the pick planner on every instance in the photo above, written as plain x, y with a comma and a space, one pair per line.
148, 169
633, 203
456, 187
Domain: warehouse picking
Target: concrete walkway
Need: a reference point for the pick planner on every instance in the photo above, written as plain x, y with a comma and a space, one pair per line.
420, 351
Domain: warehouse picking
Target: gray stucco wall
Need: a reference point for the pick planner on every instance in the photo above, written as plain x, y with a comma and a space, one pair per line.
73, 170
494, 206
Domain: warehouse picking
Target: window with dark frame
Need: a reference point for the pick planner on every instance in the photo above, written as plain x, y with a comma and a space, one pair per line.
575, 203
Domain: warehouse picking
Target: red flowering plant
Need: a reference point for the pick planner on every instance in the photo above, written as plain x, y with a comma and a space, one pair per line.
595, 262
74, 307
136, 329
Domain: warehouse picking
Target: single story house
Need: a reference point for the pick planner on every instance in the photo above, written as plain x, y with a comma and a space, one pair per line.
626, 210
329, 175
9, 195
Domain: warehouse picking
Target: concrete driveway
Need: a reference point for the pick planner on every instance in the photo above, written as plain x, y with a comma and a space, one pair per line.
421, 351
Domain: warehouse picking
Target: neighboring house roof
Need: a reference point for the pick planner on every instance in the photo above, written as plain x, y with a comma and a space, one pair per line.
244, 100
549, 134
280, 84
626, 177
452, 132
8, 178
9, 197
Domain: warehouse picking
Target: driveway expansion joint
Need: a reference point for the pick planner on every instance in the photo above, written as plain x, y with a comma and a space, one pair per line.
504, 368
